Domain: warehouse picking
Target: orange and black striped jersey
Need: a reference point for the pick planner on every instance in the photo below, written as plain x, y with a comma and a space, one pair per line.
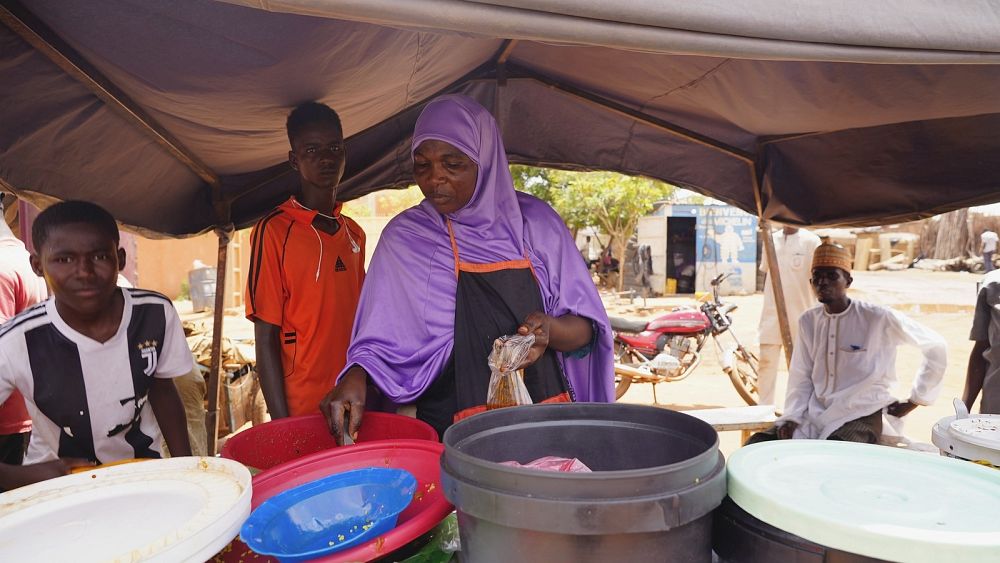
308, 283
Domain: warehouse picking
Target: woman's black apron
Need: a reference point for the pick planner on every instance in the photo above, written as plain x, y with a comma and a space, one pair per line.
491, 301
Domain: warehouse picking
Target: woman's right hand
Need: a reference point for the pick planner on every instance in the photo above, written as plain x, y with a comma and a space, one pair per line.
346, 403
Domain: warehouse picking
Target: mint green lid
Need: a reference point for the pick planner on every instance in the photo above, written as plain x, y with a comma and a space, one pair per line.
877, 501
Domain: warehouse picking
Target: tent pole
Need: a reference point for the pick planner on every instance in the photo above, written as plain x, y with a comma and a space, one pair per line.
505, 50
215, 370
773, 271
501, 72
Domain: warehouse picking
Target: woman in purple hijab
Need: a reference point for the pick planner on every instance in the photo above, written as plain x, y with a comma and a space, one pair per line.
474, 261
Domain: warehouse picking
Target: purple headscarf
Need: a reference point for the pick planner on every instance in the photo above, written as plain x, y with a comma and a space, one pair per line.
404, 329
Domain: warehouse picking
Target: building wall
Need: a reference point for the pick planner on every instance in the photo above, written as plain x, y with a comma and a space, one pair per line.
652, 230
163, 264
726, 242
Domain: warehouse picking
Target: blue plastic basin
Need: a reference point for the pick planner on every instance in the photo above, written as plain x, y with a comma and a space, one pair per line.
329, 514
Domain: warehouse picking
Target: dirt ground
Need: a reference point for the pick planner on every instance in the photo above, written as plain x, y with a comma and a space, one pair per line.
943, 301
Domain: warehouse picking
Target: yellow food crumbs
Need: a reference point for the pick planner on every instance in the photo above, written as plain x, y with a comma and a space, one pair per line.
431, 487
340, 537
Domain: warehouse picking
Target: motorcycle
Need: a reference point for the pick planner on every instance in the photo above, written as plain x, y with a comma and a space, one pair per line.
669, 348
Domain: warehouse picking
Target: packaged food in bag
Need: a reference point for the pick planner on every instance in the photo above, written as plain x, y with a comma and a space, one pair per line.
507, 383
553, 463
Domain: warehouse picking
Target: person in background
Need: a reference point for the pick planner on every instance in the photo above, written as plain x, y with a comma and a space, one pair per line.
794, 248
983, 372
306, 271
585, 250
843, 368
474, 261
20, 288
989, 246
593, 253
95, 362
684, 271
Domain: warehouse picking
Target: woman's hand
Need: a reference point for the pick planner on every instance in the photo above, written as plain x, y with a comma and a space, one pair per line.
567, 333
345, 403
537, 323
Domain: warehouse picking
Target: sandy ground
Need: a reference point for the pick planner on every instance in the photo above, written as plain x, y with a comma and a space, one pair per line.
942, 301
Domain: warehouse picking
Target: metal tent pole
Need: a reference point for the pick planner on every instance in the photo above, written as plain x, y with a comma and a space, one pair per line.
773, 270
215, 372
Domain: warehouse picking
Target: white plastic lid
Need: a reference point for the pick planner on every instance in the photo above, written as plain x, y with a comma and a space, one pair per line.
871, 500
178, 509
981, 430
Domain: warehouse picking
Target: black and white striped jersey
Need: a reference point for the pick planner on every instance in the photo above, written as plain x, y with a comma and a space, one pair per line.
88, 399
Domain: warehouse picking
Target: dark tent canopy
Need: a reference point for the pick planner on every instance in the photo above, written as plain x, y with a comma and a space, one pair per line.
171, 114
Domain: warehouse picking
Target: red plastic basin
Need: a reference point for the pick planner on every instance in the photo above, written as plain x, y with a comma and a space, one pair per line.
285, 439
419, 457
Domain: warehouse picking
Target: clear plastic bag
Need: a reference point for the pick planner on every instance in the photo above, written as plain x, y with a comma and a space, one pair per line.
506, 383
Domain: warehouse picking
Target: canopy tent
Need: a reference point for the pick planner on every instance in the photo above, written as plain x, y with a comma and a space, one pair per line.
705, 96
171, 114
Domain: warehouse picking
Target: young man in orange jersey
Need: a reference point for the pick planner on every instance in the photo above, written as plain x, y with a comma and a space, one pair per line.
306, 272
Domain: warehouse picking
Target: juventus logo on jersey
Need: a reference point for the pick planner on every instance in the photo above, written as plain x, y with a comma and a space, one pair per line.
148, 350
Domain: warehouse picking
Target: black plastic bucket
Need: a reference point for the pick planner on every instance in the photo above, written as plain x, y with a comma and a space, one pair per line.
739, 537
658, 475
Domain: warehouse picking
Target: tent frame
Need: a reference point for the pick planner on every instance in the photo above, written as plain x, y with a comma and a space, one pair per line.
14, 16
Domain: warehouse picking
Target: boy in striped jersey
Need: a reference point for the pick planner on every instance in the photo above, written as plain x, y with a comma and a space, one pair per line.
95, 361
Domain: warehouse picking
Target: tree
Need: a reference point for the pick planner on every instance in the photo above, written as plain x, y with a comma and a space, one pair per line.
612, 201
532, 180
540, 183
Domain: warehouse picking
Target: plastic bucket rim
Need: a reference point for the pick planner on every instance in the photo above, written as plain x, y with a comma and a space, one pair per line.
540, 408
719, 468
292, 464
623, 474
712, 487
705, 457
277, 424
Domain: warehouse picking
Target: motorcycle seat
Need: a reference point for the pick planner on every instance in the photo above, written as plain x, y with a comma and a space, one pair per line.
625, 325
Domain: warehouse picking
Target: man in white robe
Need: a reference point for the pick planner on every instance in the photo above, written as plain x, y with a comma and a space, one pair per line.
843, 368
794, 248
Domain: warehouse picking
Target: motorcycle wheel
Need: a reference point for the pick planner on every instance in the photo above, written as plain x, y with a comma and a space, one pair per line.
622, 382
743, 374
